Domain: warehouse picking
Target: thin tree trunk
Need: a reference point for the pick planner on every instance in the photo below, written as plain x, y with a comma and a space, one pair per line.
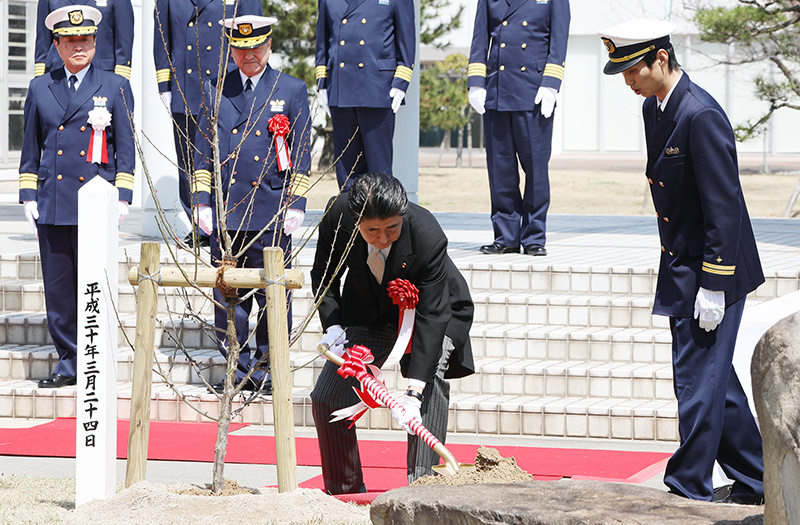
469, 143
224, 422
441, 150
460, 147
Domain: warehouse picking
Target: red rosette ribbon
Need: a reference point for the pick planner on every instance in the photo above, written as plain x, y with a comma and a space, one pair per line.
279, 126
406, 296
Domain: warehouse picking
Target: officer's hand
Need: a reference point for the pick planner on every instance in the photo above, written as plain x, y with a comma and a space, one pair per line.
204, 218
166, 98
123, 212
547, 96
293, 220
32, 214
410, 411
334, 340
477, 99
322, 97
709, 308
397, 96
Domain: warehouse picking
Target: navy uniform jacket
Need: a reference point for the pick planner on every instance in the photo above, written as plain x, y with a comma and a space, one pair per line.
528, 41
420, 256
706, 236
181, 64
53, 163
114, 36
364, 48
254, 188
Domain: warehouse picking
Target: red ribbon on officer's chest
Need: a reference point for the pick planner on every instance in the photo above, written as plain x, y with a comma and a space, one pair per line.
279, 126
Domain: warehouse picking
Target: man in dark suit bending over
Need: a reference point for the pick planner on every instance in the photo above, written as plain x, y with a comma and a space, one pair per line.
395, 239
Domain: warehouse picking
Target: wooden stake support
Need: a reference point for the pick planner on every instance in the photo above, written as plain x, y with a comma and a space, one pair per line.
275, 280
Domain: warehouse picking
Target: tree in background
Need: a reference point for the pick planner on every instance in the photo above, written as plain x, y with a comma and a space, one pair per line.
294, 39
445, 105
759, 31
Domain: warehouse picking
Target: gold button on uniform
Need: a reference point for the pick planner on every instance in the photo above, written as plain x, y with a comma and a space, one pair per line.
363, 20
191, 24
255, 159
208, 48
235, 131
502, 68
341, 43
210, 24
666, 219
361, 42
661, 184
341, 64
503, 44
208, 71
505, 23
80, 179
233, 181
522, 68
662, 249
344, 20
672, 254
83, 128
524, 22
60, 128
360, 64
189, 47
83, 153
258, 133
189, 71
524, 46
233, 155
60, 153
59, 177
255, 183
649, 180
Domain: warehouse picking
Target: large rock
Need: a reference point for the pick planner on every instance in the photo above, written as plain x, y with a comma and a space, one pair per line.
551, 503
775, 372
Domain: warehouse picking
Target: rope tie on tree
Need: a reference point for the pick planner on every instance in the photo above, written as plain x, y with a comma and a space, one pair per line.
224, 288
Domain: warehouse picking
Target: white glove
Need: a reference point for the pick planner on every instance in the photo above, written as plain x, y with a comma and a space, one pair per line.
293, 220
166, 98
123, 212
397, 96
547, 96
322, 97
477, 99
204, 218
335, 339
410, 411
709, 308
32, 214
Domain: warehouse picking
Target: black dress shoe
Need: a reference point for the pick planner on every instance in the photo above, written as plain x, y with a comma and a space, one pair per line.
496, 249
56, 381
743, 500
535, 249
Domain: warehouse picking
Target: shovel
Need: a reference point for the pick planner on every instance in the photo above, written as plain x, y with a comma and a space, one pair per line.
353, 366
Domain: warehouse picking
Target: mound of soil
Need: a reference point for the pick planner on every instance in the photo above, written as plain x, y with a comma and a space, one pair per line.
490, 467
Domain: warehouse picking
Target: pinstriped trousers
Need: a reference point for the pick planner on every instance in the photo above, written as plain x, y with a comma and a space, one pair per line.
338, 444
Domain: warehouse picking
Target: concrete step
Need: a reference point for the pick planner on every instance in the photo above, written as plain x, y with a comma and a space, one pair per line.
592, 379
501, 414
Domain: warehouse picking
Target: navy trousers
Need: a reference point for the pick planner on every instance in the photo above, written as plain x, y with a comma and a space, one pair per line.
714, 418
518, 219
184, 129
58, 248
250, 356
362, 141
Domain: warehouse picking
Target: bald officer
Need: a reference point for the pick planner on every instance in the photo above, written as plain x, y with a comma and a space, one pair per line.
709, 260
187, 45
364, 60
57, 161
263, 182
114, 36
516, 64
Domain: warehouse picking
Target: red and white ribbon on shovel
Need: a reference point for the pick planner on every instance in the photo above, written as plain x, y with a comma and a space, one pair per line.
100, 119
279, 126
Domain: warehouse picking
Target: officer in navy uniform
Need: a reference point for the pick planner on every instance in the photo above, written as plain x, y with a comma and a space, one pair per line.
364, 60
516, 63
262, 191
187, 43
709, 260
56, 162
114, 37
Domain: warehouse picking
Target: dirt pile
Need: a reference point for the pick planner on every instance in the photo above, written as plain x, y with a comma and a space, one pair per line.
490, 467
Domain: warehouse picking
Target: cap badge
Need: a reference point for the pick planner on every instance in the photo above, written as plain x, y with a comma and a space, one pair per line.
245, 29
76, 17
610, 47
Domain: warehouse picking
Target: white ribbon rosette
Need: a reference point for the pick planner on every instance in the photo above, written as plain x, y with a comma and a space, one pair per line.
100, 119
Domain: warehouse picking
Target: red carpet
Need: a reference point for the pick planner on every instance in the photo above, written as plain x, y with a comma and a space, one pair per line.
383, 461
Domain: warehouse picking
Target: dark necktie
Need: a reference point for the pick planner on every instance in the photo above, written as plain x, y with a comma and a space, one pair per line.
248, 86
72, 81
658, 113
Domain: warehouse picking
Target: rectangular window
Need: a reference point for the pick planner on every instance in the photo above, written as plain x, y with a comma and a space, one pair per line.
16, 106
17, 37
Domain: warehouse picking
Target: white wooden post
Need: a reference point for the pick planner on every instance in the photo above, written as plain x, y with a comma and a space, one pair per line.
96, 425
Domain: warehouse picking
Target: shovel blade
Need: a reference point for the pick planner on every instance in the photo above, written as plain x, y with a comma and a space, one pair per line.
447, 470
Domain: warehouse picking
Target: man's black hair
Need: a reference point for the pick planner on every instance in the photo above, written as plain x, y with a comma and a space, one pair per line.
377, 196
673, 64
